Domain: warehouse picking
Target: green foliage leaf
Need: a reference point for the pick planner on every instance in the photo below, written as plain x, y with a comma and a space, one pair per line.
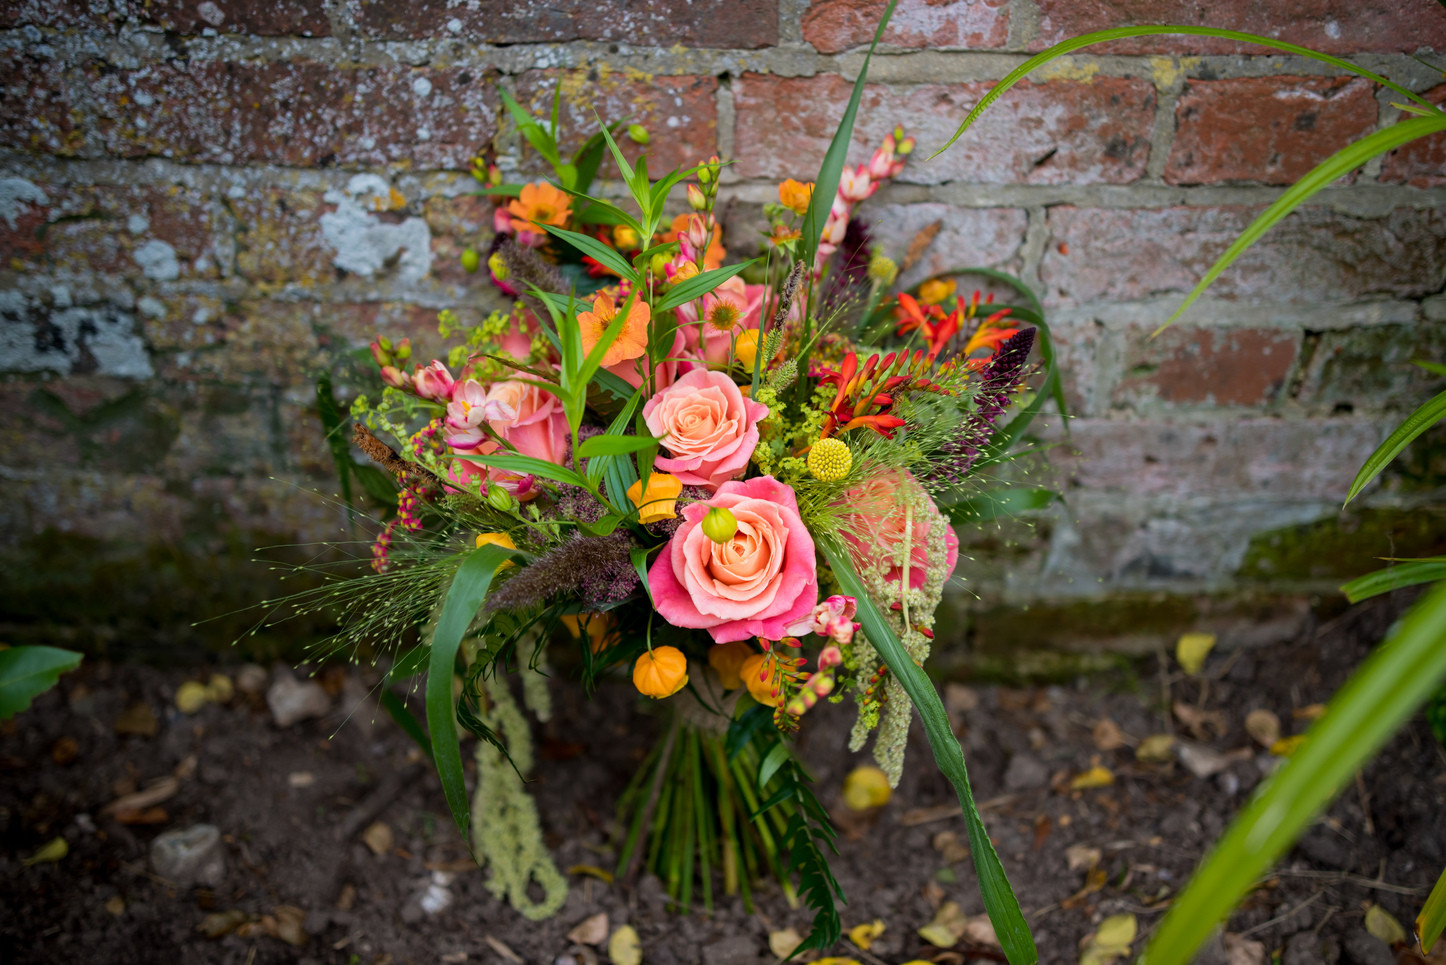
999, 900
612, 445
1408, 573
514, 462
698, 286
407, 721
1416, 423
590, 246
332, 424
536, 135
1119, 33
831, 170
999, 502
464, 598
1380, 696
1432, 920
28, 672
771, 764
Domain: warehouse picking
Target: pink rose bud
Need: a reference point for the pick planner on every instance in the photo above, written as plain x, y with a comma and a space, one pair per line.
395, 377
696, 199
380, 354
434, 382
502, 221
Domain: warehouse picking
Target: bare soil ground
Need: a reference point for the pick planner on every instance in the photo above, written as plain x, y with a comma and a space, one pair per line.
292, 805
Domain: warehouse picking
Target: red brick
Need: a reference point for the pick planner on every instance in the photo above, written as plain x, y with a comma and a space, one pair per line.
1299, 458
1060, 132
1269, 129
1421, 164
662, 23
1333, 26
98, 229
680, 113
1186, 365
269, 18
835, 25
57, 14
304, 114
36, 111
1130, 254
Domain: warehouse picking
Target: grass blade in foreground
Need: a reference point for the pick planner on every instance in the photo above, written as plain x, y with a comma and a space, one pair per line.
1009, 924
1392, 683
464, 598
1430, 413
1409, 573
27, 672
829, 173
1432, 920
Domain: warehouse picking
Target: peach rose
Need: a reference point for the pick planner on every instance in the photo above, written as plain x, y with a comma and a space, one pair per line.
757, 584
707, 426
529, 418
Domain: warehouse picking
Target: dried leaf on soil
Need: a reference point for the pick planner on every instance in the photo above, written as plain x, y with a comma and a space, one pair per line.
1382, 925
1287, 746
1081, 857
950, 846
191, 696
1156, 749
116, 906
161, 789
1263, 726
864, 935
624, 947
1111, 941
378, 838
138, 720
1108, 736
1242, 951
947, 928
1191, 650
221, 923
1200, 723
782, 943
592, 930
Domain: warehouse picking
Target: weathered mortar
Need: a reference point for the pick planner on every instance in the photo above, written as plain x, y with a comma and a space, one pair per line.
203, 207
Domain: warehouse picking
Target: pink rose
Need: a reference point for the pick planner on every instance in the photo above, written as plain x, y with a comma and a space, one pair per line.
529, 418
876, 523
758, 584
664, 373
707, 425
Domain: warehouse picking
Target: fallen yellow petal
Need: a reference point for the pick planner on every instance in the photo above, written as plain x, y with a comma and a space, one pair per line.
1094, 777
864, 935
52, 851
1287, 746
624, 947
1191, 650
1382, 925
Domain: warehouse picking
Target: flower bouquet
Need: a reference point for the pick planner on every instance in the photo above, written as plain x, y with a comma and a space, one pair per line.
731, 484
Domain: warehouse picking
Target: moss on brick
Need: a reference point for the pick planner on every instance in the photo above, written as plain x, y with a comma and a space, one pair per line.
1344, 547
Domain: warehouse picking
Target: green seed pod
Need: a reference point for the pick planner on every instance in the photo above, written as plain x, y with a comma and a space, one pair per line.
638, 133
471, 261
720, 524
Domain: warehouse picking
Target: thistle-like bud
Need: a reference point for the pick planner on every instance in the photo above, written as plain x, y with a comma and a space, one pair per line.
883, 270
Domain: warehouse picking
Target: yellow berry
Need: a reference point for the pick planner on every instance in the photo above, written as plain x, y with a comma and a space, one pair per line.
660, 672
720, 525
829, 460
866, 787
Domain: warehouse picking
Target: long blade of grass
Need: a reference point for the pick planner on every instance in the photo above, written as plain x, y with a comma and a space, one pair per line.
1344, 161
1408, 573
1430, 413
536, 135
826, 184
998, 502
1151, 30
407, 721
999, 900
593, 248
698, 286
513, 462
1380, 696
464, 598
1432, 920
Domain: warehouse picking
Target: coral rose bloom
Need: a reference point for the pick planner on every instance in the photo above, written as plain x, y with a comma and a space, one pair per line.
757, 584
876, 523
530, 418
541, 203
707, 426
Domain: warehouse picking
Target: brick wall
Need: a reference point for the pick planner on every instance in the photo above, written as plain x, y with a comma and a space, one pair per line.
204, 205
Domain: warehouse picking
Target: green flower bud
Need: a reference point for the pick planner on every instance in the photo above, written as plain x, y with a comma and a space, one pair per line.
471, 261
720, 524
500, 499
638, 133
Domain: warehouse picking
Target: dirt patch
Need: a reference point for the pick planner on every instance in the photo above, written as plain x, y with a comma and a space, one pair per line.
292, 806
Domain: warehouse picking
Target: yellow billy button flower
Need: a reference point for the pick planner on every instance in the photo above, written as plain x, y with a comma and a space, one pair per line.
829, 460
498, 266
497, 539
720, 525
727, 661
660, 672
745, 348
660, 501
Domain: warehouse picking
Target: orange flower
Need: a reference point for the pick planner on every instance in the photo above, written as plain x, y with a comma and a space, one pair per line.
727, 661
796, 195
935, 290
660, 501
539, 202
631, 342
660, 672
713, 257
763, 677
